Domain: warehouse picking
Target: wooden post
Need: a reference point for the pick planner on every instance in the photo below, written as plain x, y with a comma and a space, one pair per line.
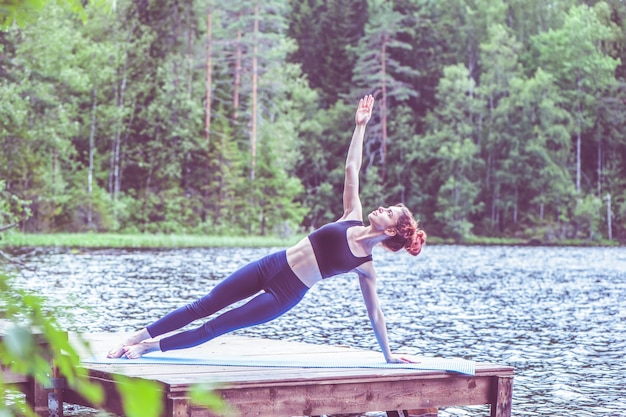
503, 397
178, 407
36, 394
58, 384
37, 398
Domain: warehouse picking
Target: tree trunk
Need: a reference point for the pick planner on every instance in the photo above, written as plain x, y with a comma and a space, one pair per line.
494, 208
578, 138
112, 157
253, 127
599, 141
176, 36
190, 44
578, 145
515, 205
237, 75
207, 114
608, 216
383, 106
92, 135
114, 169
117, 181
55, 157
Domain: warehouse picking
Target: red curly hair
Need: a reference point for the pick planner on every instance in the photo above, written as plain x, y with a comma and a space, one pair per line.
408, 234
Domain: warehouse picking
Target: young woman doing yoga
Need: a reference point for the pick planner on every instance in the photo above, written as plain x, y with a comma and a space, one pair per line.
279, 281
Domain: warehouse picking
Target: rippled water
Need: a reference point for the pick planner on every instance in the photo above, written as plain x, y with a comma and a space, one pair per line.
556, 314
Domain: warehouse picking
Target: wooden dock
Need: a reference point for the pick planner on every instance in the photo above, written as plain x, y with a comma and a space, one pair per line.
36, 394
284, 392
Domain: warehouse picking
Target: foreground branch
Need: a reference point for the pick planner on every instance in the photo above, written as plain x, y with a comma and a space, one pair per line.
7, 227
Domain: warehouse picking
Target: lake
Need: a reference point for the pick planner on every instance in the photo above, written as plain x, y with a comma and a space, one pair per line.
556, 314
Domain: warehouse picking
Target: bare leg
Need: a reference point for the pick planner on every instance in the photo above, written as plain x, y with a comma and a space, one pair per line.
137, 350
136, 338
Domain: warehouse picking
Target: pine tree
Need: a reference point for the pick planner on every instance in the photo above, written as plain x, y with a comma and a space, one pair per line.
376, 71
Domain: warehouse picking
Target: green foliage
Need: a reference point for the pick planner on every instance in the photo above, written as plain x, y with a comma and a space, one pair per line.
29, 324
22, 12
575, 56
321, 171
141, 397
33, 342
202, 394
128, 240
375, 67
588, 216
20, 351
12, 208
325, 31
452, 144
513, 108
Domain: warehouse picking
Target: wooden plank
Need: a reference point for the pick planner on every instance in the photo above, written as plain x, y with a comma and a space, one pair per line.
10, 377
348, 398
254, 376
501, 406
236, 374
38, 337
424, 412
165, 369
251, 375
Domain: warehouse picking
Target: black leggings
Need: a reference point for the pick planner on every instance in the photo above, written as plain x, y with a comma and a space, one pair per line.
282, 290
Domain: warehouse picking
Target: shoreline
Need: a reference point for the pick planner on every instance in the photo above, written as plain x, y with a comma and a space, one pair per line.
164, 241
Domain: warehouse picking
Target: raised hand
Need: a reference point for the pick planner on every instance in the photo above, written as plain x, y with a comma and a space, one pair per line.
364, 111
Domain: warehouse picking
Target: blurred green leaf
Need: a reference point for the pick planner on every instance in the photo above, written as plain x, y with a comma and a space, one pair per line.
19, 342
204, 395
140, 397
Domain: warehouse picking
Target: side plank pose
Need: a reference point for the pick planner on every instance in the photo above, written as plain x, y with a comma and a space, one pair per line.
279, 281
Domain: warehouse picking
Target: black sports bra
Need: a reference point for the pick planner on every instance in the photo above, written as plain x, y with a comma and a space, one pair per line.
330, 245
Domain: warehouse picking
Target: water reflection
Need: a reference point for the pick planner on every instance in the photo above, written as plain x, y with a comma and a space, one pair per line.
556, 314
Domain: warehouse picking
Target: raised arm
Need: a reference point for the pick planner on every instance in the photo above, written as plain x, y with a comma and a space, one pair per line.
351, 202
367, 280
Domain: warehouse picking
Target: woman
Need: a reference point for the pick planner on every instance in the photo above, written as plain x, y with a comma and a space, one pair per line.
280, 280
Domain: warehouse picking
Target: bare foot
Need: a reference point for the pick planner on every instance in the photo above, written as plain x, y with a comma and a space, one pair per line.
137, 350
138, 337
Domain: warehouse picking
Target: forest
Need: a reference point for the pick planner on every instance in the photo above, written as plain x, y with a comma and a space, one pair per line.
493, 118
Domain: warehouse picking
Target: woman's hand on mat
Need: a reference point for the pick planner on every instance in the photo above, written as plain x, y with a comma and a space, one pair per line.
399, 359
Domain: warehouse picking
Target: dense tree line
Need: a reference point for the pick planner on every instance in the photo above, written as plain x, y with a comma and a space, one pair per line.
494, 117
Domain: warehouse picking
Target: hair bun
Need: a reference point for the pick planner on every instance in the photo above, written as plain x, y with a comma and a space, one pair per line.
415, 242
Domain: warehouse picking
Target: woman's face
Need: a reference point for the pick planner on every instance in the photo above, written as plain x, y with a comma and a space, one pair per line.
384, 218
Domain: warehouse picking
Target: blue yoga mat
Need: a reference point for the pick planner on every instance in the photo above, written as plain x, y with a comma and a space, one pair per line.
423, 363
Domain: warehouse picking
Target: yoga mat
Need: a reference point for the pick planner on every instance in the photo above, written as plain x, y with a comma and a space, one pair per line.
462, 366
